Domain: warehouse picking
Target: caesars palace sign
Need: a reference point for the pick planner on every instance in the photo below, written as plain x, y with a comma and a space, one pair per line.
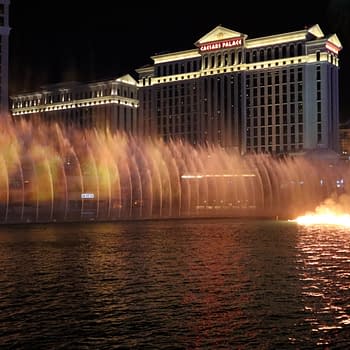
223, 44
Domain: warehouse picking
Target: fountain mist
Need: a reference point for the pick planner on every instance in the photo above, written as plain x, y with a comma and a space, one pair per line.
53, 174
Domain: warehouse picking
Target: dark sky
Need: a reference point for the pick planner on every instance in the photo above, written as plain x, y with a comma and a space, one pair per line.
53, 41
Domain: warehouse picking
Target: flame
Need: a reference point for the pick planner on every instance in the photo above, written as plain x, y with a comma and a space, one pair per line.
333, 211
324, 217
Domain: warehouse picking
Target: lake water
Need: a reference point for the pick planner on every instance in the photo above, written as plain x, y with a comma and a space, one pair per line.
175, 284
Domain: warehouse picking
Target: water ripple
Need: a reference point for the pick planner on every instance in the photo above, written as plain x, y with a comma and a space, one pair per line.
212, 284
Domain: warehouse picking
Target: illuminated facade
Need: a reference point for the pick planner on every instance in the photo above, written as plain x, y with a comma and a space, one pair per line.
110, 104
276, 94
4, 53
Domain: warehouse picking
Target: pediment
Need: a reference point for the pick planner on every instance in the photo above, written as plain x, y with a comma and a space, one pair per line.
127, 78
218, 33
316, 31
335, 41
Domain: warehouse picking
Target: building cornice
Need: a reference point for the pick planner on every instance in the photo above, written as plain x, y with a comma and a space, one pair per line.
83, 103
176, 56
271, 64
220, 33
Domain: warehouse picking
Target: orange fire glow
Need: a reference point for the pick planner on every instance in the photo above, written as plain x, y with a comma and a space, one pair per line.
333, 211
324, 219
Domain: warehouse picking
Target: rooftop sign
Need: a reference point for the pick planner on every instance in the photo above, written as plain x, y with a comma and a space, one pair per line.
223, 44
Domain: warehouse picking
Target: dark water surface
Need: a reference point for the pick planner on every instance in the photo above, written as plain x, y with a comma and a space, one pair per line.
191, 284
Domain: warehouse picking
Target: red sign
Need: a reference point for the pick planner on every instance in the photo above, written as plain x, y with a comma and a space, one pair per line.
223, 44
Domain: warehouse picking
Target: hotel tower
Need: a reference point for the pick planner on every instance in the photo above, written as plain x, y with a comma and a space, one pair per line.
4, 53
276, 94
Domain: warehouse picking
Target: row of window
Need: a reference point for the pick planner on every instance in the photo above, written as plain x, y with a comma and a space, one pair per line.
177, 128
278, 148
284, 119
229, 58
275, 130
177, 68
274, 77
176, 90
252, 85
261, 111
285, 140
69, 96
176, 110
274, 100
269, 53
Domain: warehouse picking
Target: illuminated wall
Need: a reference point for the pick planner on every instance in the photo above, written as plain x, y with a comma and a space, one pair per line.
110, 104
276, 94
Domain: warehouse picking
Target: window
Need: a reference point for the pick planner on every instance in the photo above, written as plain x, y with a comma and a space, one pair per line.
233, 57
300, 49
284, 52
254, 56
239, 57
226, 59
262, 55
291, 51
318, 73
269, 53
277, 54
291, 77
300, 75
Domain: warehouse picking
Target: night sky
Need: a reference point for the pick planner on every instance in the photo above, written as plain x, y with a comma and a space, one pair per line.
54, 41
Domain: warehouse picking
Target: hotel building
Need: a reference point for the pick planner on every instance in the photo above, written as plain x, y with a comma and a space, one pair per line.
4, 54
276, 94
110, 105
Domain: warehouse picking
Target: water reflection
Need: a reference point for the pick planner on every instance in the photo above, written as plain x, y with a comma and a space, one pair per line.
188, 284
324, 269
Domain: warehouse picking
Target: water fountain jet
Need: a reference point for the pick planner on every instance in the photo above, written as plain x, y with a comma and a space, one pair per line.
55, 174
